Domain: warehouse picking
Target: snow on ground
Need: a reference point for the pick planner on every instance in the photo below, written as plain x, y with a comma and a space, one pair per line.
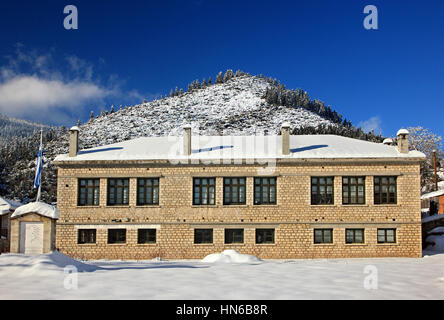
43, 277
230, 256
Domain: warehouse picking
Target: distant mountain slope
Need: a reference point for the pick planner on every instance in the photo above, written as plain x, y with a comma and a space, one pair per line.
12, 128
237, 104
235, 107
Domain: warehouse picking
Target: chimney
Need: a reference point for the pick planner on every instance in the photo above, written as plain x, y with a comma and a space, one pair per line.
403, 141
73, 141
388, 142
187, 140
285, 131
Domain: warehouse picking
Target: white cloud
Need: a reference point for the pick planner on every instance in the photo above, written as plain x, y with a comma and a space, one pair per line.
372, 124
25, 95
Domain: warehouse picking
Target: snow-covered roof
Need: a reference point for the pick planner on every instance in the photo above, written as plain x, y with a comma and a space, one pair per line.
432, 194
241, 147
7, 205
40, 208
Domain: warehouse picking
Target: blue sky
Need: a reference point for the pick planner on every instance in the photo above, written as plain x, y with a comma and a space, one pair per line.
125, 51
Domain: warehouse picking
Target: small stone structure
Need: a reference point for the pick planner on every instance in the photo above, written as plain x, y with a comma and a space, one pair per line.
33, 228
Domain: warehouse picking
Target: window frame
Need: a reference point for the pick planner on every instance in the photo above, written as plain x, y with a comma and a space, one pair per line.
200, 186
379, 197
203, 236
385, 235
349, 186
154, 200
86, 187
231, 238
94, 241
261, 185
116, 193
264, 230
240, 186
117, 241
318, 195
354, 230
147, 237
323, 230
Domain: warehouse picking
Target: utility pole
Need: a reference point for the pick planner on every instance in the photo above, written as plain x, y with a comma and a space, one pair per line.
434, 165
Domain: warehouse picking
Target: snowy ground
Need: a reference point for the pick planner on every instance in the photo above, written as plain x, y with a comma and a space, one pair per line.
43, 277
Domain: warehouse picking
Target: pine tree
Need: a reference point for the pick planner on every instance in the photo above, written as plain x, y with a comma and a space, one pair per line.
219, 78
91, 116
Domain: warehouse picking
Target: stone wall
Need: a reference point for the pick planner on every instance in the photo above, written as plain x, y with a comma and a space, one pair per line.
293, 217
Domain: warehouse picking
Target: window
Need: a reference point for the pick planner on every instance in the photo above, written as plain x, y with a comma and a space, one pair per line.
265, 190
353, 190
234, 236
86, 236
385, 190
354, 236
323, 236
89, 192
118, 191
234, 191
147, 191
146, 236
204, 191
386, 235
116, 235
264, 236
203, 236
322, 190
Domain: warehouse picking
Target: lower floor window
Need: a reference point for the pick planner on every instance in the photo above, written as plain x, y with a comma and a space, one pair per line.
203, 236
323, 236
86, 236
354, 236
116, 235
146, 236
234, 236
264, 236
386, 235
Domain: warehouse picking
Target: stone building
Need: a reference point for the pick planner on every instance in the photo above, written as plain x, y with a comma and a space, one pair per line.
276, 197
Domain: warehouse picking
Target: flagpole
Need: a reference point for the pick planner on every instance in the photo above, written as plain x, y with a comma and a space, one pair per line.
39, 167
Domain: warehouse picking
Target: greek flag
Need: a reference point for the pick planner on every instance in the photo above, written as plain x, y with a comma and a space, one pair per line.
38, 168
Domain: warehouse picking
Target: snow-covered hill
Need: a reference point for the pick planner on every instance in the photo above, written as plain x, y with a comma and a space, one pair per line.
12, 128
235, 107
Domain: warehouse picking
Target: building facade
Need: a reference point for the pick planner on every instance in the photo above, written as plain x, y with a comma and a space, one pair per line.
291, 197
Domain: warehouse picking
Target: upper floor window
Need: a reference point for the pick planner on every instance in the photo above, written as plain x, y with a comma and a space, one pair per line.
118, 192
147, 191
204, 191
385, 190
234, 191
322, 190
89, 192
353, 190
265, 190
